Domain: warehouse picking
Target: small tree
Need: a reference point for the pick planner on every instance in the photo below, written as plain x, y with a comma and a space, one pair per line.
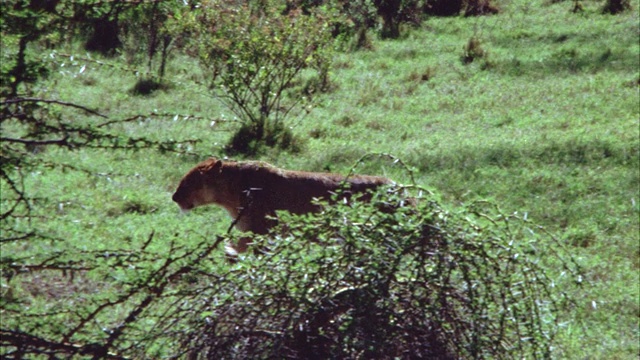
394, 12
253, 54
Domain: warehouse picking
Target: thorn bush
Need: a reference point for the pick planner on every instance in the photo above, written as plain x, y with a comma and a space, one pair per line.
377, 280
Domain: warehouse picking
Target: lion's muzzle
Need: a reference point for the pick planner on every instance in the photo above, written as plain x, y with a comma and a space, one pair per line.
184, 206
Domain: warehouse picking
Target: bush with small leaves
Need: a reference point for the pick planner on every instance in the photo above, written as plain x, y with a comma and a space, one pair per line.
253, 53
384, 280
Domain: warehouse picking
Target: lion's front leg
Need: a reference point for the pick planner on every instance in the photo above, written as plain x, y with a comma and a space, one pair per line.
252, 220
251, 224
241, 246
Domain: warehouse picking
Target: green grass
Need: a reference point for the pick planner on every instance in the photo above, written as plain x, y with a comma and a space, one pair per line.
547, 124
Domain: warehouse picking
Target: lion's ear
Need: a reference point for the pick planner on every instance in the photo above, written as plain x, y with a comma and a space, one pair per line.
213, 166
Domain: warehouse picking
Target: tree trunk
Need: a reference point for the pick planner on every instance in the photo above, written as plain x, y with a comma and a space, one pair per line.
105, 38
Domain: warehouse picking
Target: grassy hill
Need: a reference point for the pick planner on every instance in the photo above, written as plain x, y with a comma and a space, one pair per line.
544, 122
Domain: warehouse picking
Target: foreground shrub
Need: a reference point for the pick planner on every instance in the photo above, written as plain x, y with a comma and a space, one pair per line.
353, 281
410, 283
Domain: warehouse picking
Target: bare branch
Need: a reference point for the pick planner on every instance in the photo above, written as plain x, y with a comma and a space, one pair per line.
23, 341
143, 117
61, 142
47, 101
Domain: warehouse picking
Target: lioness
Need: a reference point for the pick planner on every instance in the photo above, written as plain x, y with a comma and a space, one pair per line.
252, 191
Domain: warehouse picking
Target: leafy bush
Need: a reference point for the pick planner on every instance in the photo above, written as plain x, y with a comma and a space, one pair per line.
372, 280
410, 283
253, 53
472, 51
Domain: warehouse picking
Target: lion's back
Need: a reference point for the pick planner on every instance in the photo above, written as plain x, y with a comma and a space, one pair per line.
294, 191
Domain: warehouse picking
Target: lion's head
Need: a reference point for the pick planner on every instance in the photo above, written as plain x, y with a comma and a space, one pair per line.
198, 186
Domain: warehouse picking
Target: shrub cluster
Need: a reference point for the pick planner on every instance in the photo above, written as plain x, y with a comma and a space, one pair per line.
376, 280
366, 281
252, 55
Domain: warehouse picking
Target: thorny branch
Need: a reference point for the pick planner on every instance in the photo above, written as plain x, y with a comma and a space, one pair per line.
49, 101
459, 293
169, 115
31, 344
39, 128
180, 261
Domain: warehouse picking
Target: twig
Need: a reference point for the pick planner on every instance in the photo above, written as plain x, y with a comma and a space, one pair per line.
153, 114
58, 102
243, 209
23, 340
387, 155
61, 142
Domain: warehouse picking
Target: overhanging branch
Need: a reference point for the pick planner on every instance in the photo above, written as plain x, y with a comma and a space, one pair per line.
48, 101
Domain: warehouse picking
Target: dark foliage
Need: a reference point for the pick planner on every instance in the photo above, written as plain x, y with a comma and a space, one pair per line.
457, 7
250, 140
616, 6
354, 281
147, 86
104, 37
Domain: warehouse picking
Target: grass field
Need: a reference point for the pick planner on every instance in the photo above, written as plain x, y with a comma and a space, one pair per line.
546, 124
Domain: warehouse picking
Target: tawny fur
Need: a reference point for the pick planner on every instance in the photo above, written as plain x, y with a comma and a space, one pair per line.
252, 191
